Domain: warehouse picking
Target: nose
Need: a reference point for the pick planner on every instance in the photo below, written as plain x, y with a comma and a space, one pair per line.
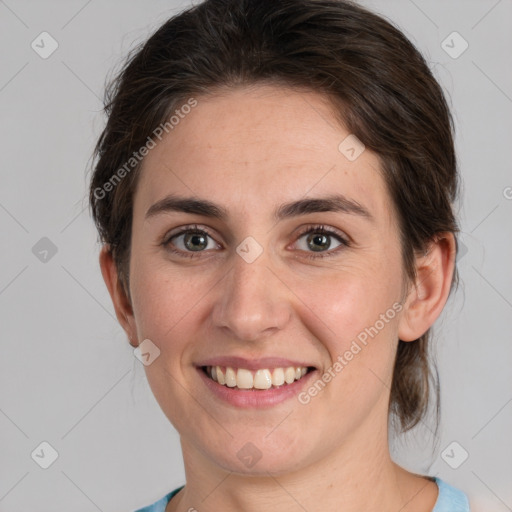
252, 302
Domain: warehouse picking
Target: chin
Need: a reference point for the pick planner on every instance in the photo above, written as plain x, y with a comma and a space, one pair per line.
259, 457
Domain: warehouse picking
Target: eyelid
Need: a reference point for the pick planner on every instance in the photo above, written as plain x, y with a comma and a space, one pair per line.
182, 230
344, 240
325, 229
185, 229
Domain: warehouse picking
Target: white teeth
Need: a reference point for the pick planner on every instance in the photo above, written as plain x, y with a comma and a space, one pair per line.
230, 377
221, 379
278, 377
244, 379
289, 375
261, 379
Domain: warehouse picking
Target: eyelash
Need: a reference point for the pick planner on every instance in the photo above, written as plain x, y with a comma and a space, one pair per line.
319, 228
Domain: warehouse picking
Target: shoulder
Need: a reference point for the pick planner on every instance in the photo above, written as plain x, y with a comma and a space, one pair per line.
159, 506
450, 499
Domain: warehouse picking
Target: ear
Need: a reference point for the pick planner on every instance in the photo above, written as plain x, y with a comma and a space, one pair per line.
122, 305
430, 291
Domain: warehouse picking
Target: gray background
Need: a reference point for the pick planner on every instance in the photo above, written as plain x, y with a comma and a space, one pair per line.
68, 375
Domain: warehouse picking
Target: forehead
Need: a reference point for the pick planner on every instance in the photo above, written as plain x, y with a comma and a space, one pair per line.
252, 148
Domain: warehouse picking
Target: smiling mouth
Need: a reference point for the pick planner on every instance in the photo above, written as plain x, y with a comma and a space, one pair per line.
247, 380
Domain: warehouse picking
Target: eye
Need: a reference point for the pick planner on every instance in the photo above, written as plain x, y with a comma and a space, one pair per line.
188, 241
318, 239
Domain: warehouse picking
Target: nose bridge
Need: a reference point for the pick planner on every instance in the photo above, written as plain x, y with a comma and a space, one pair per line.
251, 302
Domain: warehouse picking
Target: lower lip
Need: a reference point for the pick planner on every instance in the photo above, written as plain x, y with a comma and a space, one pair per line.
261, 398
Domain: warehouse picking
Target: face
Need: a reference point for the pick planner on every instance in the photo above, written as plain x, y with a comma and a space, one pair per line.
253, 288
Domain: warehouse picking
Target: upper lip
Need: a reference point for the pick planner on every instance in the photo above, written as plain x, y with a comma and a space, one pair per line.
253, 364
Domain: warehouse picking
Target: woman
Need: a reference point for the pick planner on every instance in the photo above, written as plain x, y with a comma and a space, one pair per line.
273, 191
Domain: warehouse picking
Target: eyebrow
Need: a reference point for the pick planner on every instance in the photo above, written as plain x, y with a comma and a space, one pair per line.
206, 208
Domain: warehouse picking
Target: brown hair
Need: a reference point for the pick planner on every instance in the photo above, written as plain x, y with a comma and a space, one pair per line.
381, 90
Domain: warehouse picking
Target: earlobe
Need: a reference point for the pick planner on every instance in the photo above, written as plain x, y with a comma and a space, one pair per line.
430, 291
122, 305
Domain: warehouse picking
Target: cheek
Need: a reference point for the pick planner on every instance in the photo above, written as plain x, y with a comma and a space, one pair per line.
166, 309
355, 316
350, 299
164, 301
354, 313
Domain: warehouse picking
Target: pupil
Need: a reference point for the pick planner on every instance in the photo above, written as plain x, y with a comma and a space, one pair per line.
319, 240
195, 239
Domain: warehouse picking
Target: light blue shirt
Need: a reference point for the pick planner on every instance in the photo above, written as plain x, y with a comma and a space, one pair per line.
450, 499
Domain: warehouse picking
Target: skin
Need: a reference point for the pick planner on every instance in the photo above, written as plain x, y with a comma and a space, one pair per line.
249, 150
